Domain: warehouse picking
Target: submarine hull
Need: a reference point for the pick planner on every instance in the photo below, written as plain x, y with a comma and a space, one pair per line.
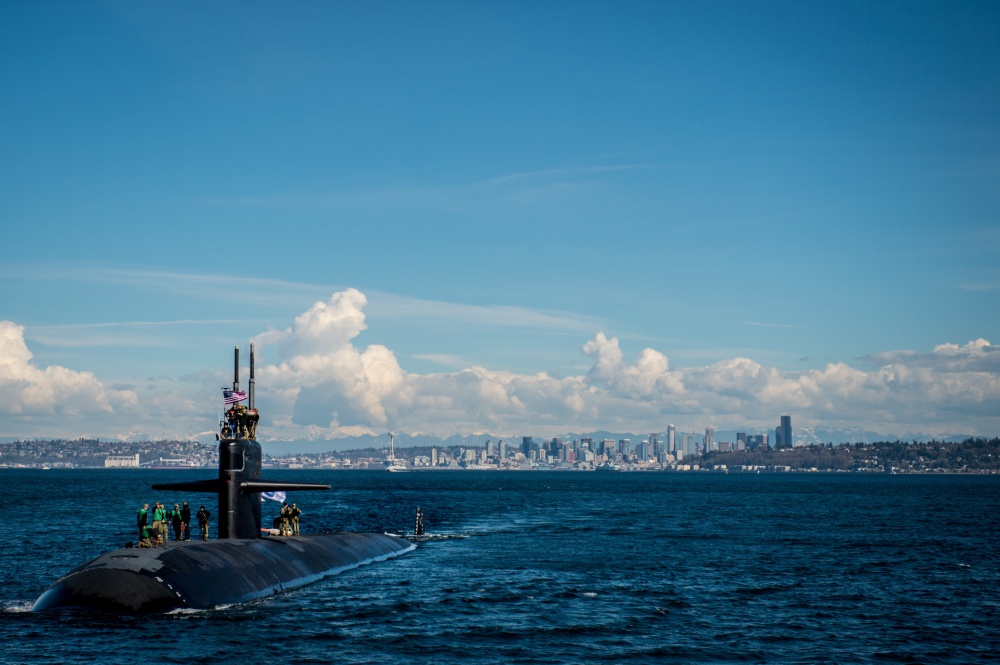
207, 574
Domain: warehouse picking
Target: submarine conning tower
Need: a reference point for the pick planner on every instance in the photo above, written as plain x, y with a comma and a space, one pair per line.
239, 483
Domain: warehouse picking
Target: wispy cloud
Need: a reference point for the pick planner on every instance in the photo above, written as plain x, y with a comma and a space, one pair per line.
122, 333
562, 173
552, 179
984, 287
764, 324
446, 359
202, 286
261, 291
391, 306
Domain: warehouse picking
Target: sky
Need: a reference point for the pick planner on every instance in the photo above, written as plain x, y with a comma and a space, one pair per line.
518, 218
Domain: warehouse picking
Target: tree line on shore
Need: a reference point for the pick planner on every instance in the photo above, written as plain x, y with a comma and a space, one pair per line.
974, 454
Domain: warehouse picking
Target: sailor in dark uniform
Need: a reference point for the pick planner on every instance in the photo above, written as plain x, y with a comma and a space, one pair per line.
203, 516
286, 517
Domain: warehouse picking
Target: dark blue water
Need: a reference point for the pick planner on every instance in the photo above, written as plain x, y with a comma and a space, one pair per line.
552, 568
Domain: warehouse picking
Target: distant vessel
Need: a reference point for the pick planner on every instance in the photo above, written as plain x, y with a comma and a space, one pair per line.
609, 466
240, 565
393, 465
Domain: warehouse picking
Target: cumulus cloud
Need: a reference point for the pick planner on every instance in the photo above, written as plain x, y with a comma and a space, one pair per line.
28, 391
313, 381
326, 386
323, 380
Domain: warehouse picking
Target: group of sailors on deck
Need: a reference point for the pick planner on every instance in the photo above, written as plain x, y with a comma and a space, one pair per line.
154, 527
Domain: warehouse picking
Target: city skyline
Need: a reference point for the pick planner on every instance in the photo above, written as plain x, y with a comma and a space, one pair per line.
506, 219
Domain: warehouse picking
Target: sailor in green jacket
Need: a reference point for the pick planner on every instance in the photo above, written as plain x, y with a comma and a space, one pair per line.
160, 522
144, 539
142, 519
176, 521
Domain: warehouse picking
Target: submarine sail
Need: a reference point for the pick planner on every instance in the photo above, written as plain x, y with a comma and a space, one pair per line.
240, 565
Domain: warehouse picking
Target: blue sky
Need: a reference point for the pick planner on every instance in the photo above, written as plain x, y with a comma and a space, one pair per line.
514, 191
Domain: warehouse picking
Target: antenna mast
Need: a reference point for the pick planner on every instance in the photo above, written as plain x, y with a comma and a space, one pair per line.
250, 394
236, 370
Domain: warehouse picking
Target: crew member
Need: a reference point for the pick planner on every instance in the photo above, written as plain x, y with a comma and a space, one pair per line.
286, 516
144, 539
295, 512
176, 521
203, 516
186, 521
142, 519
159, 522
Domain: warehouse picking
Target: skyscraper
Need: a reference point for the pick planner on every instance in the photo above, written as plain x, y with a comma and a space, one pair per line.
709, 439
671, 439
783, 433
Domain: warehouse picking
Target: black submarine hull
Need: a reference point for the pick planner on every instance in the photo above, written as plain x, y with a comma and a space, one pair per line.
207, 574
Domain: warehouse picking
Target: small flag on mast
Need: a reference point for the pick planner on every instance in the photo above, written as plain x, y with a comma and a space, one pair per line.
273, 496
233, 396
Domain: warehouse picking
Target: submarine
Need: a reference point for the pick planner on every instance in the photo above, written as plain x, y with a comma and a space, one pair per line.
241, 564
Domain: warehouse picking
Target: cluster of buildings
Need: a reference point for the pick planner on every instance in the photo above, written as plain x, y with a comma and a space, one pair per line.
667, 449
661, 448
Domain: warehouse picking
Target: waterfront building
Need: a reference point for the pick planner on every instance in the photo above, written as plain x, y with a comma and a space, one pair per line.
121, 461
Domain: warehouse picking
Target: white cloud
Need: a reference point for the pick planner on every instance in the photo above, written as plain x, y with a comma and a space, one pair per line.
329, 385
312, 381
324, 379
26, 390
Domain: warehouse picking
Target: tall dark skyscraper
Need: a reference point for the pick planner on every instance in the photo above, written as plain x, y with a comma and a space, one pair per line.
783, 433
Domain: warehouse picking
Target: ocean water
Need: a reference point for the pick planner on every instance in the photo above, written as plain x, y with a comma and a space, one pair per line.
551, 567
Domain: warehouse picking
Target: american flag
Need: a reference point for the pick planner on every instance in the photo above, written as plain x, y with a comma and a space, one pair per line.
233, 396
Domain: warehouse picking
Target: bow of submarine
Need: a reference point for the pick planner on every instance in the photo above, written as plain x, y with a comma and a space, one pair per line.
203, 575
